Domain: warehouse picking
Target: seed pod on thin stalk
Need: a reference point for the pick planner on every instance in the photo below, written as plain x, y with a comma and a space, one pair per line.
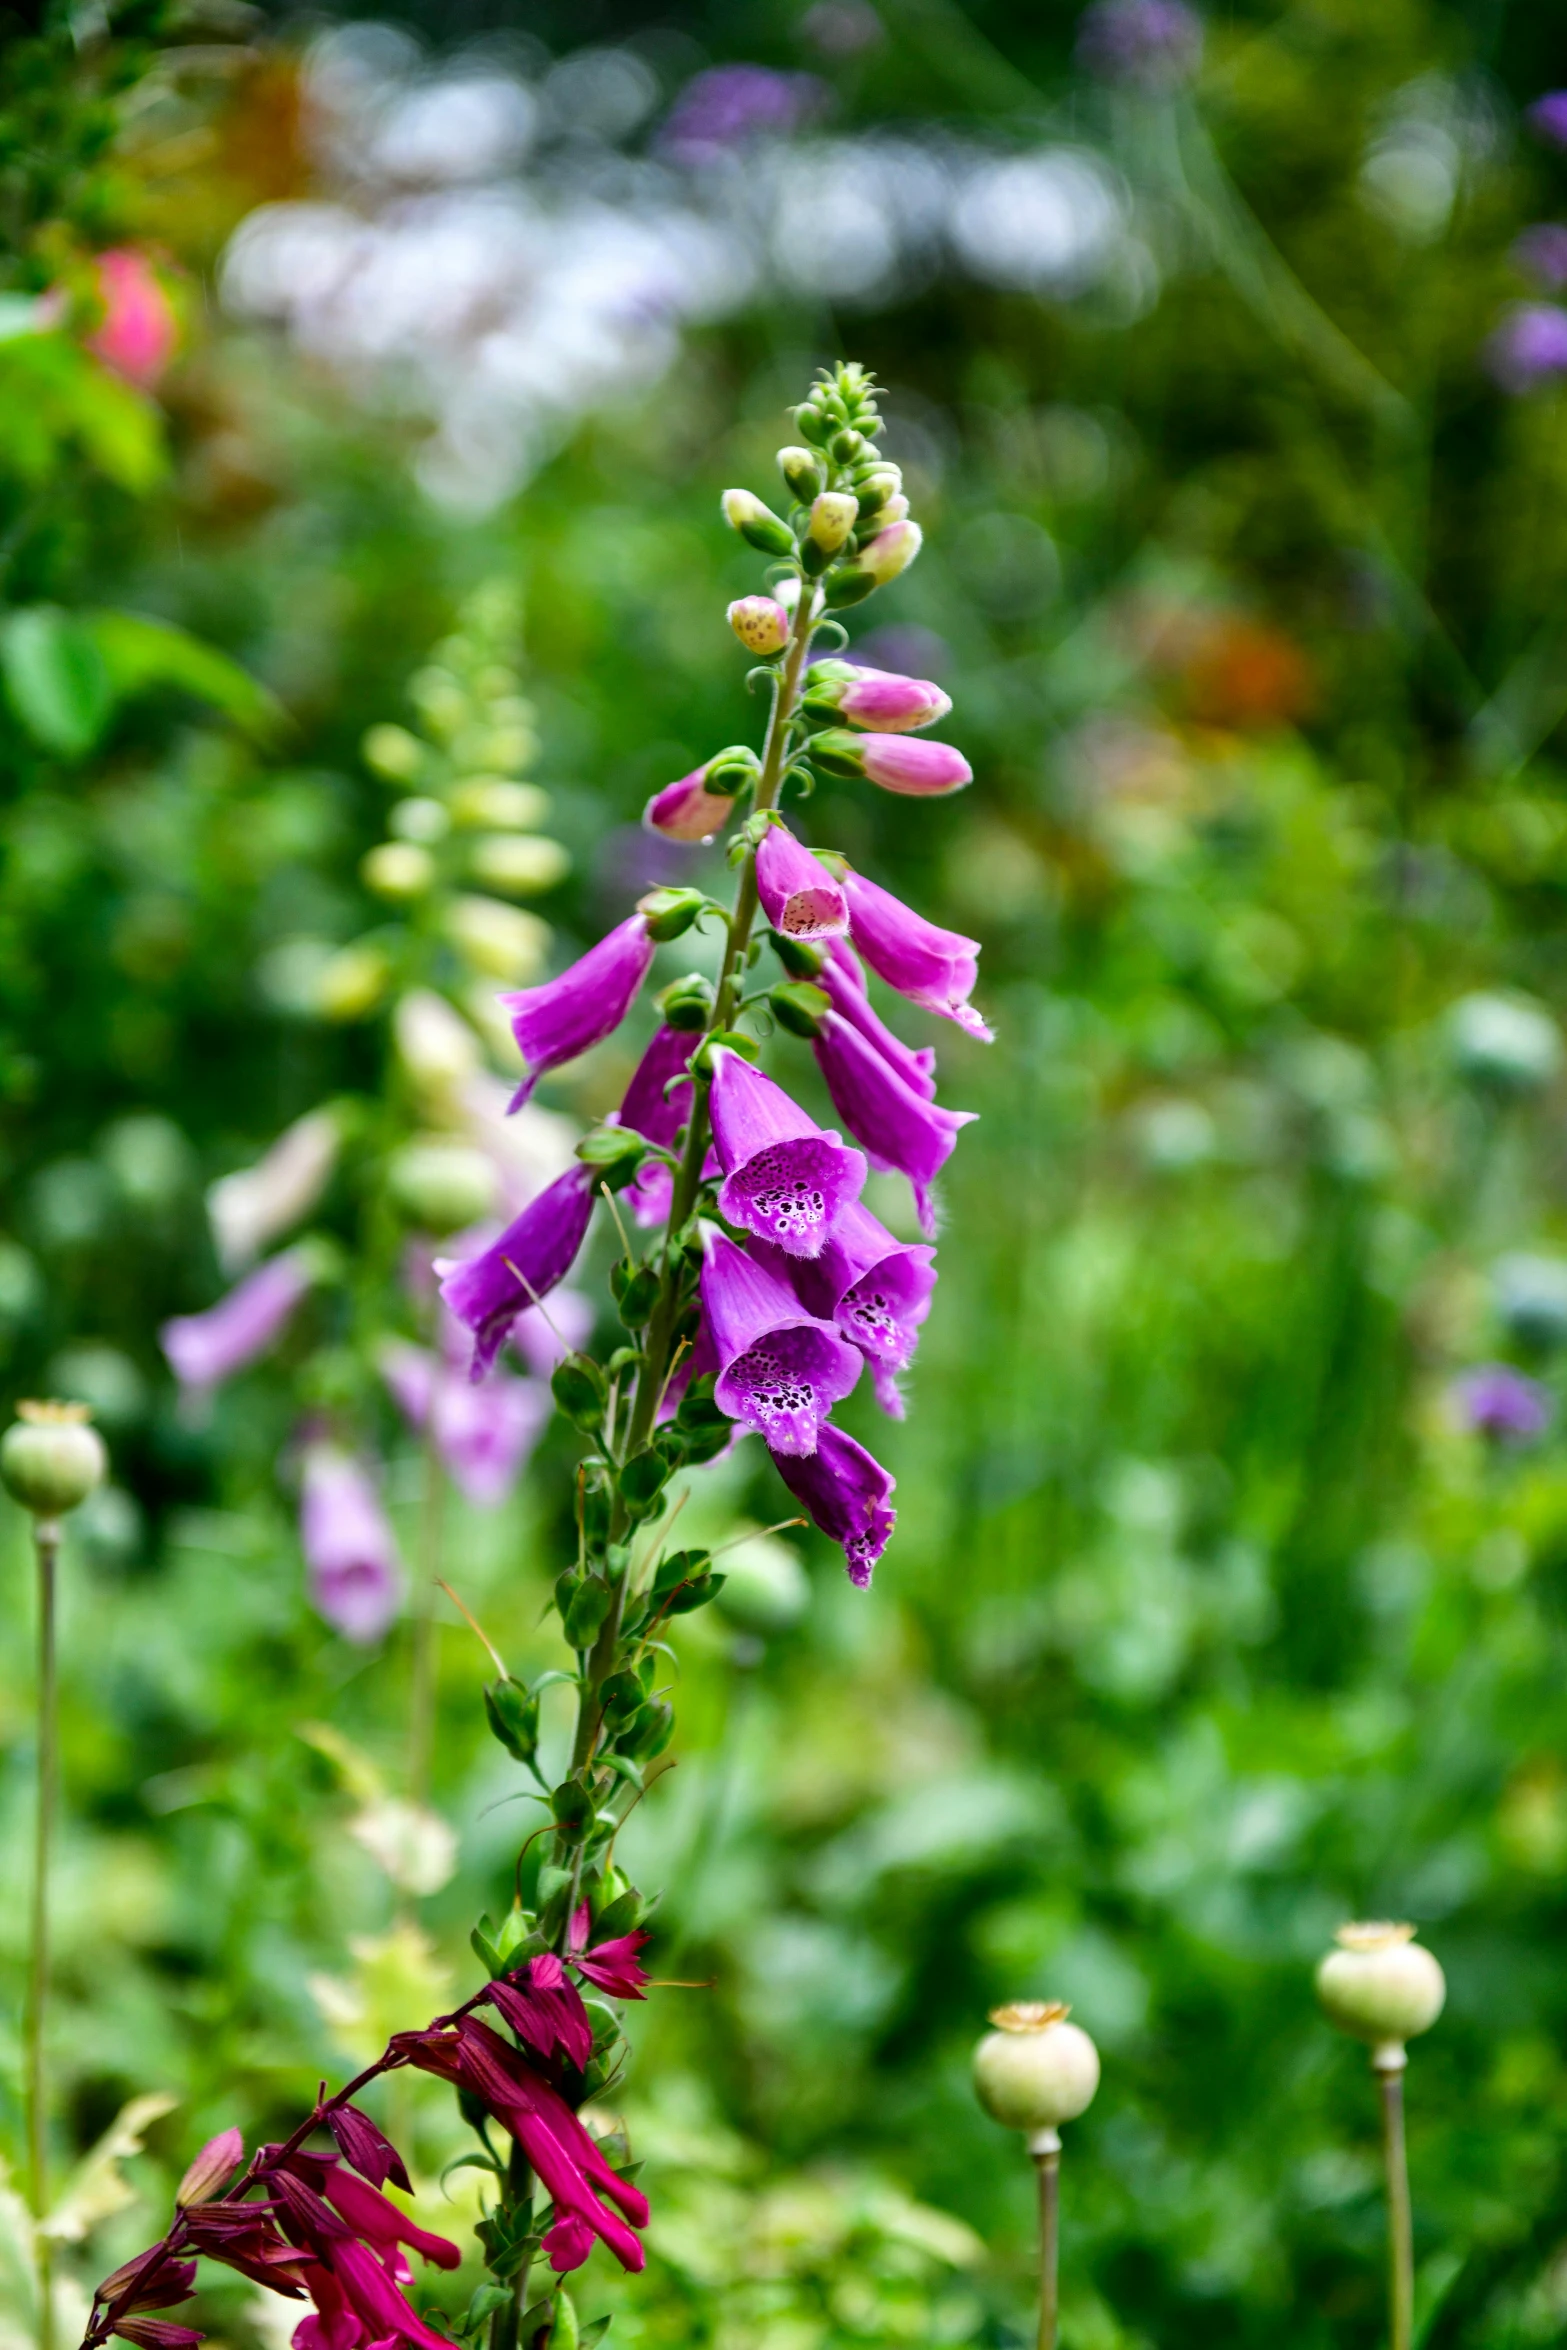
1034, 2072
50, 1461
1381, 1987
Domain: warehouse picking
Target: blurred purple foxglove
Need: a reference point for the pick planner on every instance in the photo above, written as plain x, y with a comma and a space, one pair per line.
877, 1290
1549, 117
205, 1349
483, 1434
799, 896
687, 810
356, 1576
844, 983
784, 1179
1529, 348
648, 1109
846, 1492
877, 699
1497, 1401
532, 1255
902, 1134
780, 1370
564, 1017
934, 968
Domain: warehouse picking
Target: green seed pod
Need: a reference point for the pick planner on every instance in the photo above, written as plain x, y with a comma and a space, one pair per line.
802, 470
50, 1460
1035, 2070
1380, 1985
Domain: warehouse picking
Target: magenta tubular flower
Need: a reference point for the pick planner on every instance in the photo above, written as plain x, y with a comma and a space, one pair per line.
613, 1966
784, 1179
659, 1114
780, 1369
918, 770
844, 983
488, 1292
545, 2009
846, 1492
484, 1435
356, 1576
376, 2301
934, 968
799, 896
377, 2221
687, 810
568, 1015
883, 702
877, 1290
205, 1349
902, 1134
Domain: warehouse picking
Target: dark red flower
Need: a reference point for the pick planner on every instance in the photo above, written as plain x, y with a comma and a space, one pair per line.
613, 1966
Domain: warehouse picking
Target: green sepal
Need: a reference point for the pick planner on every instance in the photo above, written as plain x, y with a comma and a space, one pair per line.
620, 1696
578, 1387
686, 1004
847, 587
639, 1296
624, 1768
485, 1951
571, 1803
678, 1567
651, 1732
730, 772
799, 1007
731, 1040
623, 1913
669, 913
584, 1612
615, 1152
553, 1881
695, 1594
642, 1479
838, 752
513, 1716
799, 958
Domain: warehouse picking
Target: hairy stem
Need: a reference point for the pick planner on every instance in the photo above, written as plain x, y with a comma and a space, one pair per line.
46, 1546
1400, 2224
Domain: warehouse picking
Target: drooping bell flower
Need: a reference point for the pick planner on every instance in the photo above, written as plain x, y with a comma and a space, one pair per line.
489, 1291
355, 1574
376, 2220
687, 810
568, 1015
784, 1178
484, 1434
658, 1106
205, 1349
780, 1369
902, 1134
612, 1966
844, 983
846, 1493
880, 700
934, 968
875, 1289
799, 896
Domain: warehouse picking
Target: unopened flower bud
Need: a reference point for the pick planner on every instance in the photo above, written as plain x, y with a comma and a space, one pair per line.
880, 700
757, 524
398, 870
1382, 1986
847, 445
50, 1460
814, 423
423, 820
686, 1004
442, 1184
761, 624
393, 753
688, 809
890, 552
899, 763
501, 941
872, 493
896, 509
833, 516
1035, 2070
352, 982
490, 801
212, 2169
802, 470
519, 865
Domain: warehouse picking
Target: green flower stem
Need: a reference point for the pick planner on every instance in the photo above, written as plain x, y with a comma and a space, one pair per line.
1047, 2162
1388, 2065
46, 1546
688, 1179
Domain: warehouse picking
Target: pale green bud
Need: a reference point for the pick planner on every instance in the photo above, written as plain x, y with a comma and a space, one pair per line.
519, 865
398, 870
393, 753
496, 805
501, 941
802, 470
833, 516
422, 820
757, 524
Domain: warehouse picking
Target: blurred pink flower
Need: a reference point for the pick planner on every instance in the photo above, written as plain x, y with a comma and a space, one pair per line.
139, 330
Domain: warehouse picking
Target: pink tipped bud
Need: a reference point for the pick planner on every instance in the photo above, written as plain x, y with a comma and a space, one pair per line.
890, 552
687, 810
833, 516
879, 699
920, 770
761, 623
757, 524
212, 2169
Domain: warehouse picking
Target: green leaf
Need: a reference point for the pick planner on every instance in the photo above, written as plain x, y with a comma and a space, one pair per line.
56, 679
139, 653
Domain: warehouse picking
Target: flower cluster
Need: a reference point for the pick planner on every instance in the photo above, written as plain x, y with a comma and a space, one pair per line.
774, 1285
310, 2222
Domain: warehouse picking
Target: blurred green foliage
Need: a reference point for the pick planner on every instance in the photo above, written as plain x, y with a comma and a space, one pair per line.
1208, 1621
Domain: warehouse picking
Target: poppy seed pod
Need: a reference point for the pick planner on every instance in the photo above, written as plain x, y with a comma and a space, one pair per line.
1035, 2070
50, 1460
1380, 1985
